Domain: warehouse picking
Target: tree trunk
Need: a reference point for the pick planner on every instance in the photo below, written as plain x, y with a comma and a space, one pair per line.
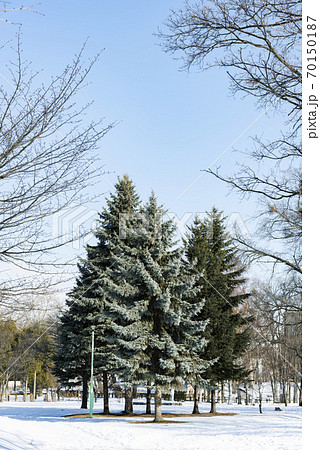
84, 403
196, 400
213, 409
25, 393
272, 387
284, 393
289, 391
260, 399
35, 385
148, 404
300, 395
134, 391
222, 391
276, 392
4, 391
157, 406
106, 393
239, 396
295, 393
247, 394
230, 393
128, 406
171, 395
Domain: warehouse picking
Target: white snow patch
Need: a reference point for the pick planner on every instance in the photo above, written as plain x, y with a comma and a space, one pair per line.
41, 425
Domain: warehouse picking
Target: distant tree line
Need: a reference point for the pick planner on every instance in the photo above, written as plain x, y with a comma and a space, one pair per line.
275, 351
26, 356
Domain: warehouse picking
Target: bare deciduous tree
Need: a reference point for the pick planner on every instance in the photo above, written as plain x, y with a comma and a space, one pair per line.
259, 40
259, 44
47, 156
279, 193
6, 9
276, 344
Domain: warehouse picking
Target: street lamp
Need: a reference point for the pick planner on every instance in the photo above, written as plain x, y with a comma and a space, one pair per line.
91, 379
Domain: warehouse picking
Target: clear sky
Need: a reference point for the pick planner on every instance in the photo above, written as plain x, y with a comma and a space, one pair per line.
171, 124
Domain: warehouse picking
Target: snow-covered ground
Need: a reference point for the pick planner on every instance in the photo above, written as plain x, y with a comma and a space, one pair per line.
41, 425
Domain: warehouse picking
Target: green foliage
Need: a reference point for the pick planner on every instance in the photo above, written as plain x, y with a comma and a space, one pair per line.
37, 346
180, 396
8, 344
158, 319
213, 254
25, 351
86, 301
149, 288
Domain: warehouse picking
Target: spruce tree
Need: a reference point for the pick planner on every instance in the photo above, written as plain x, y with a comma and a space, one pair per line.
72, 362
86, 301
211, 250
158, 337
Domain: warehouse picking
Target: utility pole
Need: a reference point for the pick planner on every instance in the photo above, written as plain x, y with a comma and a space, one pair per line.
91, 380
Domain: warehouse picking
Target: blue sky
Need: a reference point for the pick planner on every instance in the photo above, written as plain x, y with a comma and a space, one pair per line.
171, 124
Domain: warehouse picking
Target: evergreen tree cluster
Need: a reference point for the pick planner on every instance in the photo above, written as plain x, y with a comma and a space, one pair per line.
163, 315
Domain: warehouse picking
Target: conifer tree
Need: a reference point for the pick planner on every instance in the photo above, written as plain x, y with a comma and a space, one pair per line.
72, 362
86, 300
211, 250
158, 338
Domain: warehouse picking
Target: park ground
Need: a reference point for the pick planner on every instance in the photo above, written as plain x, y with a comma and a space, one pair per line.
42, 425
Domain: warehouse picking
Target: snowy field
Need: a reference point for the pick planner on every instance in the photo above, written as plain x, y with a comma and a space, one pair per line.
41, 425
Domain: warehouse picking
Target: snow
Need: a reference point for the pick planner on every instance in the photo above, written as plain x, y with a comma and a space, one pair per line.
41, 425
